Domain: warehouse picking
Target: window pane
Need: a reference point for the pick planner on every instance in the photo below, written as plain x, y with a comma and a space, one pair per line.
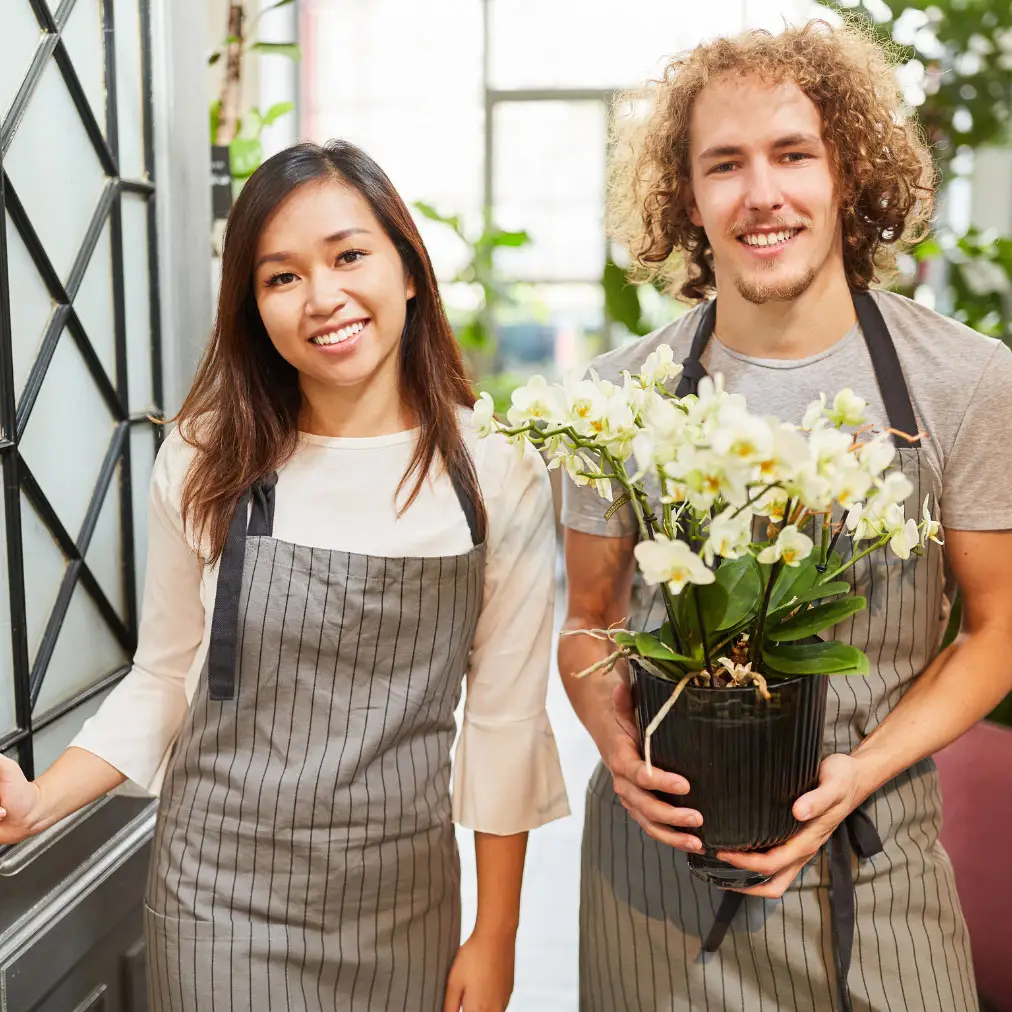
137, 293
31, 306
549, 179
60, 203
71, 668
94, 304
105, 551
42, 576
67, 435
84, 39
18, 42
129, 89
142, 462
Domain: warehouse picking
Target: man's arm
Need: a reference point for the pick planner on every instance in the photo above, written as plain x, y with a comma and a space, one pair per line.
599, 575
961, 686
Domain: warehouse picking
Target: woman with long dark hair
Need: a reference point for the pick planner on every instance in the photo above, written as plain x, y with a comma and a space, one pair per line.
332, 552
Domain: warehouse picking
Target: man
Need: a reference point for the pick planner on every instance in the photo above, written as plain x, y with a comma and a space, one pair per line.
778, 171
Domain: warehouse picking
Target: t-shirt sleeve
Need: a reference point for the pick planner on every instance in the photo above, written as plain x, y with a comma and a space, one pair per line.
584, 510
976, 488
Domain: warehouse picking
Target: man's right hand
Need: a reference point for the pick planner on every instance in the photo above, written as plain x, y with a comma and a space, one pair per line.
20, 801
633, 782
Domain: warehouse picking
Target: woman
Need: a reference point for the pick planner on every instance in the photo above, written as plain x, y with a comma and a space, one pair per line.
331, 551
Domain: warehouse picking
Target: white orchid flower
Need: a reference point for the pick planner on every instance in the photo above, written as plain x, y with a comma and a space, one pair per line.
536, 400
743, 437
671, 562
484, 414
877, 454
729, 535
930, 529
585, 404
814, 414
895, 487
851, 485
659, 366
792, 547
848, 409
905, 538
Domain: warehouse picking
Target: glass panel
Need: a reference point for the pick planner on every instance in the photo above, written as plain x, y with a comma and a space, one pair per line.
31, 306
43, 575
551, 329
142, 462
83, 37
105, 551
354, 75
20, 38
60, 203
85, 651
549, 179
129, 89
67, 435
54, 738
137, 288
94, 304
7, 718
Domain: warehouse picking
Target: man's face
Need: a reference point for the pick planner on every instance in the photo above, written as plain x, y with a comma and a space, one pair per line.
763, 187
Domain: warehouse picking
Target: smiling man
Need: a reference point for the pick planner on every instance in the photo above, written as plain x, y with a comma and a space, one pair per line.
779, 173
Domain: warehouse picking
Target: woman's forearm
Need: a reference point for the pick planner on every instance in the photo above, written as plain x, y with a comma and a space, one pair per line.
500, 862
77, 778
960, 687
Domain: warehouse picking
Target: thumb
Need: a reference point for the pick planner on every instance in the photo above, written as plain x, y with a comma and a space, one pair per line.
11, 772
816, 803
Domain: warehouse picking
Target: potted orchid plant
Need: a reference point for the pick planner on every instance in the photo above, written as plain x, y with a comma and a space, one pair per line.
749, 527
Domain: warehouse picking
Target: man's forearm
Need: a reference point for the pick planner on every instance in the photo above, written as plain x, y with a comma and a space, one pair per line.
500, 865
590, 695
960, 687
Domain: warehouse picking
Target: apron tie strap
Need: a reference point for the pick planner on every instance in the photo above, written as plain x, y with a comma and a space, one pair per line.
222, 651
857, 832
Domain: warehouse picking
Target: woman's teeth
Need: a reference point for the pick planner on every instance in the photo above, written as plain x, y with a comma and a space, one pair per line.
339, 336
769, 238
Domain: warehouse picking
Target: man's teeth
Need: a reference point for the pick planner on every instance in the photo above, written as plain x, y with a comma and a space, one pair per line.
769, 238
338, 336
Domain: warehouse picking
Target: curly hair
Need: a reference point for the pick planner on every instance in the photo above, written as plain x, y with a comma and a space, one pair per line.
883, 169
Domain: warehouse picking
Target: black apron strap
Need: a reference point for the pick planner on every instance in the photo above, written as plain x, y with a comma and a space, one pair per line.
886, 363
468, 505
730, 904
222, 650
692, 366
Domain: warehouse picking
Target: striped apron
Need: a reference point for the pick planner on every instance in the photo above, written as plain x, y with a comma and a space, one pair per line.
872, 923
304, 856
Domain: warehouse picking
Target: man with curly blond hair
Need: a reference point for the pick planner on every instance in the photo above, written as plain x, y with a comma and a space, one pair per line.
775, 177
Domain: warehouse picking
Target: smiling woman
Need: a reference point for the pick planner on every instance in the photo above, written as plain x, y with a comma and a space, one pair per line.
333, 553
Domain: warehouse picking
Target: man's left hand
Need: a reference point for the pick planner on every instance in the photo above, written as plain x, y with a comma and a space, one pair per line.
821, 811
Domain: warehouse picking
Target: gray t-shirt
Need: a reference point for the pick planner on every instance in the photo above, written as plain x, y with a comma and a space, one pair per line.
960, 383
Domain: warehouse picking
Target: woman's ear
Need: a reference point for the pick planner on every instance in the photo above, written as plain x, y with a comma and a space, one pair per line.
409, 286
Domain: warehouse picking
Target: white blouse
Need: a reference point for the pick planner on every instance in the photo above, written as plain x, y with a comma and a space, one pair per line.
338, 494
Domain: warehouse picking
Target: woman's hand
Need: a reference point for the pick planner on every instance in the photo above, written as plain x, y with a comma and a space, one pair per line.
481, 978
20, 802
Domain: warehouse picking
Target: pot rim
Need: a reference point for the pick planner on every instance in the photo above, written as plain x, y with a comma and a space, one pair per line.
774, 681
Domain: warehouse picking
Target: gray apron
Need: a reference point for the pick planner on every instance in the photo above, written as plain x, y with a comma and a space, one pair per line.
872, 923
304, 856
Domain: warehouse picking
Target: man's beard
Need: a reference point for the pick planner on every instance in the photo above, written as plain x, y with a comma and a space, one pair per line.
759, 293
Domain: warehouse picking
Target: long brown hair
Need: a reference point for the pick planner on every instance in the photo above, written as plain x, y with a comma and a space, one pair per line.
882, 165
242, 413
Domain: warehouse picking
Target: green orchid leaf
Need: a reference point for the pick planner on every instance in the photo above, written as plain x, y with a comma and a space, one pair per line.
811, 621
832, 658
624, 639
792, 581
649, 646
742, 581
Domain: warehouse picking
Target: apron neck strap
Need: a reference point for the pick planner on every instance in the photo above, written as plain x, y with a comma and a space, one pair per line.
881, 350
467, 504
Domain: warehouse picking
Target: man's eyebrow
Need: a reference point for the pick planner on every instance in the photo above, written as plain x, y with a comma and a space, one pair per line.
787, 141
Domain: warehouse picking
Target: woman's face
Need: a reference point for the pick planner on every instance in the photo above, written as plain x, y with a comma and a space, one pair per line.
331, 289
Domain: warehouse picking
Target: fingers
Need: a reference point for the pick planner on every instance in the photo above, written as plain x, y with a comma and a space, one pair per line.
680, 841
454, 996
625, 762
818, 802
777, 886
654, 809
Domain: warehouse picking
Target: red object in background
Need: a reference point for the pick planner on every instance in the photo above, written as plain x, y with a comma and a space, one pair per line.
976, 777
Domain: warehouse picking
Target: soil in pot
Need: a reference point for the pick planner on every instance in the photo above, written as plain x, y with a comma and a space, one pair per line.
747, 760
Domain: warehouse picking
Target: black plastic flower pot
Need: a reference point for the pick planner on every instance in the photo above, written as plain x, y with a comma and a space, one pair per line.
747, 760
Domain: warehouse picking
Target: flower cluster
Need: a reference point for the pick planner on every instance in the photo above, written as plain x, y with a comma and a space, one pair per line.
713, 483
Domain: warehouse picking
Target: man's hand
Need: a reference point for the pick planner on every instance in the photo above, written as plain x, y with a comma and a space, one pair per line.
633, 781
822, 810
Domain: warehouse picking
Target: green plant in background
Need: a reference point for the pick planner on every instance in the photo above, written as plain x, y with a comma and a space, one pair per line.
475, 329
623, 300
242, 132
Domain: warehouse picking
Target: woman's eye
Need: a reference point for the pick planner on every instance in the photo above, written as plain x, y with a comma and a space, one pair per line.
350, 256
281, 278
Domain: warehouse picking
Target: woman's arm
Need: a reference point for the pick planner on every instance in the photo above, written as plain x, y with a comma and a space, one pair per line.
482, 975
